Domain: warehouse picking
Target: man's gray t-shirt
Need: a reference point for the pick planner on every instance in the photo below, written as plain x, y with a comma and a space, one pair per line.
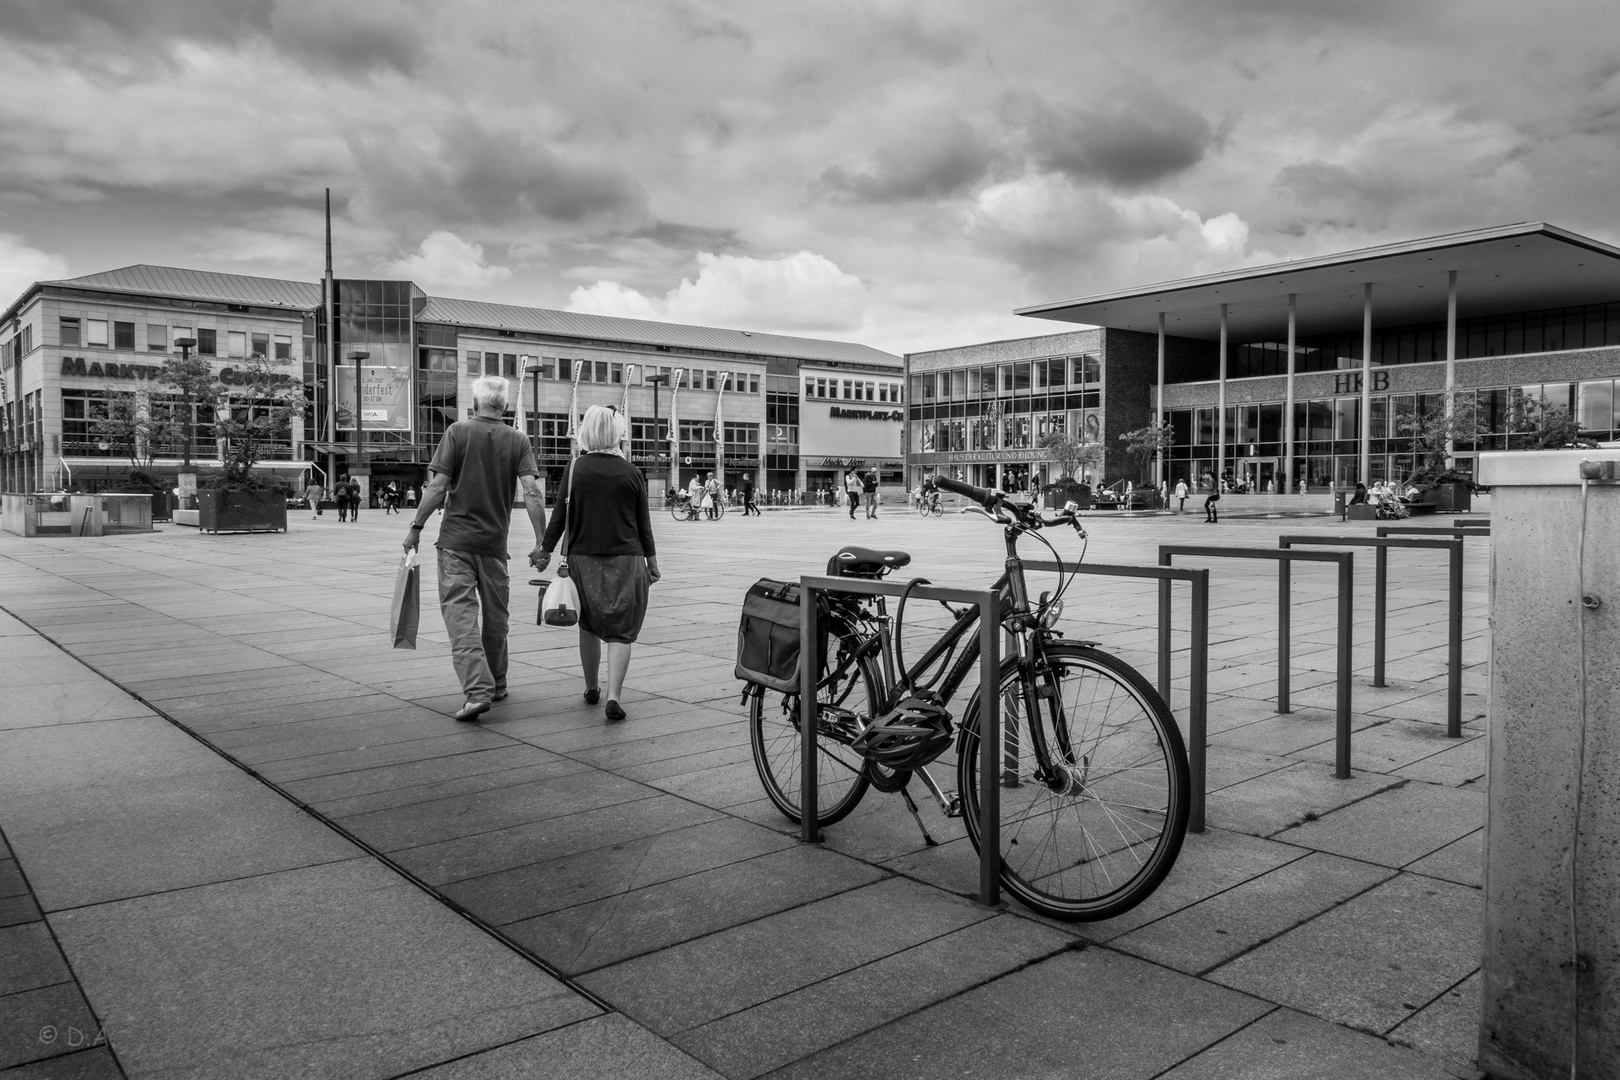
483, 457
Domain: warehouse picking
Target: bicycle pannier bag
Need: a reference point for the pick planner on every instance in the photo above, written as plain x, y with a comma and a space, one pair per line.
768, 636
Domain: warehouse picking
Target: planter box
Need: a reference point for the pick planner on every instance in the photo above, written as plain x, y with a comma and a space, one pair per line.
241, 510
1452, 498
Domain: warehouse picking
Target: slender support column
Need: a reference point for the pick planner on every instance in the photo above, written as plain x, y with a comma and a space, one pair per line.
1364, 422
1341, 742
1451, 364
1289, 483
1158, 414
1220, 410
1380, 612
990, 722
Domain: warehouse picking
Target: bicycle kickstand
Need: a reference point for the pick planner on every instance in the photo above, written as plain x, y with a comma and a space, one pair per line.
912, 806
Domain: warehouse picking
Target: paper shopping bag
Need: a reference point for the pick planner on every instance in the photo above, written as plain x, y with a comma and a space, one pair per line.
407, 602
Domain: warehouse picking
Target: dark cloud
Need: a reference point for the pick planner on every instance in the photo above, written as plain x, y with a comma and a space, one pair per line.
1342, 197
1138, 138
924, 166
350, 38
688, 238
482, 176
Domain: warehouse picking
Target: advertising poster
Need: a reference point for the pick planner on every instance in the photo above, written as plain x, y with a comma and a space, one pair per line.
385, 398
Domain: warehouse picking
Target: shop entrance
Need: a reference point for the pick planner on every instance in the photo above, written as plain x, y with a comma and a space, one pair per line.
1256, 475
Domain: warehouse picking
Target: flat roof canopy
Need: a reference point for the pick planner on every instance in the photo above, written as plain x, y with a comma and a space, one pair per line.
1521, 267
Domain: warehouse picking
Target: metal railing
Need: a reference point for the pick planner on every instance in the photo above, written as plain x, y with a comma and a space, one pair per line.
1346, 563
1454, 577
1198, 660
810, 587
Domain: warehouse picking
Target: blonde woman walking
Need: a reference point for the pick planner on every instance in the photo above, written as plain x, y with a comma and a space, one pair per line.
611, 555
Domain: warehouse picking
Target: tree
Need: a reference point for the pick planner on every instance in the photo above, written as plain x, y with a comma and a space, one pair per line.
1433, 431
194, 377
1143, 445
258, 410
1536, 424
137, 429
1072, 452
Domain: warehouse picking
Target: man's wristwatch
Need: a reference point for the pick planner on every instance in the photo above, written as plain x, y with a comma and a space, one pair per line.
415, 527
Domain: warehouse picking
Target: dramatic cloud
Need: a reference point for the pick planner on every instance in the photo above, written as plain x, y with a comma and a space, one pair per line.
447, 264
21, 266
797, 293
945, 161
1132, 140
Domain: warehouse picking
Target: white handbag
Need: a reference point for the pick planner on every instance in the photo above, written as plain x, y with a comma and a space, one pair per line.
560, 604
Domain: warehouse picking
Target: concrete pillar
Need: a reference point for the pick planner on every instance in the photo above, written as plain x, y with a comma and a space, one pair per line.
1451, 361
1220, 410
1158, 413
1364, 425
1288, 484
1551, 966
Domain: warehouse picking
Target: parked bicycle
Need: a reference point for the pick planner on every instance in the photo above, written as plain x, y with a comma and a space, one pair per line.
1095, 788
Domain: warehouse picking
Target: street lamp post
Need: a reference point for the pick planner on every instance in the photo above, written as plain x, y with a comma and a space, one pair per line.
188, 475
359, 356
533, 371
657, 381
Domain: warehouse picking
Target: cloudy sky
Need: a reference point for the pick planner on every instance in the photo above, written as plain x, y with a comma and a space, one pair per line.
902, 173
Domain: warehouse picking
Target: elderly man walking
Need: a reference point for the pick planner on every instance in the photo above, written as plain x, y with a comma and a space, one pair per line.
475, 470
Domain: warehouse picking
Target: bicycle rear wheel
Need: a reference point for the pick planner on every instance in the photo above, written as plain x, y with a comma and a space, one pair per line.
1094, 793
678, 510
847, 697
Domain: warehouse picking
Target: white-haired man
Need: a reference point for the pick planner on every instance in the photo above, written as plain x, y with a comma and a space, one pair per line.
475, 470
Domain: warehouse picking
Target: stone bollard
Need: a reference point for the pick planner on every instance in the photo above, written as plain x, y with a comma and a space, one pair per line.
1552, 903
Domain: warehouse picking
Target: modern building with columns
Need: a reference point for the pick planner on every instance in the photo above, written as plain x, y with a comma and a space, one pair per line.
786, 409
1298, 373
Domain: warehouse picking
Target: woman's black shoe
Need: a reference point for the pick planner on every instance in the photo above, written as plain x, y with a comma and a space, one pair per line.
614, 712
592, 696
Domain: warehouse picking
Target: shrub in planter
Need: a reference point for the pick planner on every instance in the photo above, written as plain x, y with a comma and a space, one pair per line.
1066, 490
257, 411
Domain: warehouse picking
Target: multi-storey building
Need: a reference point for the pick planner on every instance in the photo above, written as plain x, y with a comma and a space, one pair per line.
1303, 375
67, 346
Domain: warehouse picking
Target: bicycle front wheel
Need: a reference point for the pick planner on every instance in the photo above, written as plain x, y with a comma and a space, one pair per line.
1094, 787
936, 509
677, 511
846, 699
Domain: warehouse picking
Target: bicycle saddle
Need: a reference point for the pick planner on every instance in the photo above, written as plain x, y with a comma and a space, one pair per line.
852, 561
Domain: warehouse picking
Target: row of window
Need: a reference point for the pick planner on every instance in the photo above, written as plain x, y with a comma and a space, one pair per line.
852, 389
1036, 403
82, 409
77, 333
1017, 432
1500, 411
997, 380
563, 369
1585, 326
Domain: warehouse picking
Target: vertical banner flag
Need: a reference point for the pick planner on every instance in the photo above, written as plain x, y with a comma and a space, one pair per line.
719, 411
573, 411
674, 423
624, 405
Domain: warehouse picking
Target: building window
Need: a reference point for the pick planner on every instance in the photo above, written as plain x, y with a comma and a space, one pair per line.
70, 333
509, 365
260, 345
124, 336
95, 333
157, 337
181, 332
235, 344
207, 344
283, 347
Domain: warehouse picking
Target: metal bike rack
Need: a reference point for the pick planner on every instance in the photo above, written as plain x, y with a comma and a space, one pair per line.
1453, 548
1346, 562
1458, 530
989, 708
1198, 676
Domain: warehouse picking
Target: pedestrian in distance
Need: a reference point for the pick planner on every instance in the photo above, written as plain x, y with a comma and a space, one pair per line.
852, 491
341, 494
477, 466
356, 496
869, 486
1181, 496
314, 492
1212, 513
748, 495
711, 497
611, 554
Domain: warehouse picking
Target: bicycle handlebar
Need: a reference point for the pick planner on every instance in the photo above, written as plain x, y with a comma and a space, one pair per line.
985, 498
998, 506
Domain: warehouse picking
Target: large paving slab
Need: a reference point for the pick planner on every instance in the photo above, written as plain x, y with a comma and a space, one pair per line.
521, 822
343, 970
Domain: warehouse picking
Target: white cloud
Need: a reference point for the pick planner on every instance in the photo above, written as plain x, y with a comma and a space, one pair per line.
795, 293
447, 263
21, 266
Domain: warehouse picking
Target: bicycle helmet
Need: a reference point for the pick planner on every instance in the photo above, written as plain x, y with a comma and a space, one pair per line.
907, 737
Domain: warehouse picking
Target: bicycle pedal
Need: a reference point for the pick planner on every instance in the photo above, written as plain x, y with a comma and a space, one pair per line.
953, 805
